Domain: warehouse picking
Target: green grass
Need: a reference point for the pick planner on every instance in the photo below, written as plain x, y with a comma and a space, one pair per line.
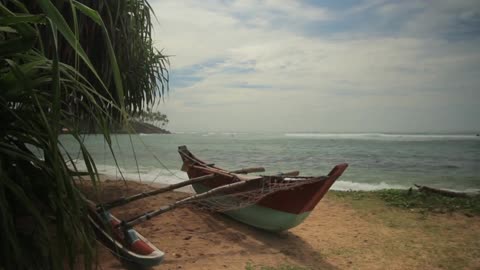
417, 201
251, 266
424, 229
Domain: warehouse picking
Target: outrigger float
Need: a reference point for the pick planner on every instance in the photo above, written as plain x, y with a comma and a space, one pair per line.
274, 203
127, 244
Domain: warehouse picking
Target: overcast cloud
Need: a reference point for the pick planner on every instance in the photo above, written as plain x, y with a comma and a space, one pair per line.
325, 66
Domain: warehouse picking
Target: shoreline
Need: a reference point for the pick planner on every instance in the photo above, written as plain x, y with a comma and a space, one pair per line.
344, 231
338, 186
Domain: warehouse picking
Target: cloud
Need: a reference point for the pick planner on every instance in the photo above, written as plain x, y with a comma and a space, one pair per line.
258, 66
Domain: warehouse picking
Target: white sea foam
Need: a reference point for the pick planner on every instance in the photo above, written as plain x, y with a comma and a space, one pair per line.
152, 175
382, 136
474, 191
164, 176
348, 185
354, 186
148, 174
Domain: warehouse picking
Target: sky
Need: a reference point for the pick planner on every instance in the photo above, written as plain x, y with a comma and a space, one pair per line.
321, 66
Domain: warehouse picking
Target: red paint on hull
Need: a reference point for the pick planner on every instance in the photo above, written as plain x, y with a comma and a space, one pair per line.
295, 201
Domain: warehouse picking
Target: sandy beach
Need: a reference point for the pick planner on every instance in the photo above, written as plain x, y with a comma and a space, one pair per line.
343, 232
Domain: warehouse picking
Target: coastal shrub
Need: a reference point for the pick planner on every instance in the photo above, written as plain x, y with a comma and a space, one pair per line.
54, 74
414, 199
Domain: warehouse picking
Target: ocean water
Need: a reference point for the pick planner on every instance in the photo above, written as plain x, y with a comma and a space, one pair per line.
376, 161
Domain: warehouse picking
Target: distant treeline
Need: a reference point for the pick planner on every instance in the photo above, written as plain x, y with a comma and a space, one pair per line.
146, 122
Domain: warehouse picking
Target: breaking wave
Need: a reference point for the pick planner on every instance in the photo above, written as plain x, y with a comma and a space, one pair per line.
151, 175
354, 186
147, 174
166, 177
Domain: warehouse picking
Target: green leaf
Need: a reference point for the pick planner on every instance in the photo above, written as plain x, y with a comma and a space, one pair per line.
10, 20
56, 18
113, 59
7, 29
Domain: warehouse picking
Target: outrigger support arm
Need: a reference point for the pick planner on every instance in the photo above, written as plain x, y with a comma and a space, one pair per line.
249, 170
125, 200
290, 174
226, 189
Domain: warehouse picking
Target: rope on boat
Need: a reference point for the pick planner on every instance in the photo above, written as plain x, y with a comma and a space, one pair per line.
233, 201
228, 197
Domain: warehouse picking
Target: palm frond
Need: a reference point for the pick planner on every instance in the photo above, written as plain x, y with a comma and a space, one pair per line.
61, 63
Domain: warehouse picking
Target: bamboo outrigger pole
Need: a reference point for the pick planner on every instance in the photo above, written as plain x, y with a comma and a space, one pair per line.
290, 174
125, 200
249, 170
216, 191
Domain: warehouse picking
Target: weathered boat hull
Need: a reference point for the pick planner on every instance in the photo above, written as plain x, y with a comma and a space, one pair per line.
262, 217
278, 211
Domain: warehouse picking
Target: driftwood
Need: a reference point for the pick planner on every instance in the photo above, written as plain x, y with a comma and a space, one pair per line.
447, 193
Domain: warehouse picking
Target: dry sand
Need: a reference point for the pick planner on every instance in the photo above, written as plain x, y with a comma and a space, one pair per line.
337, 235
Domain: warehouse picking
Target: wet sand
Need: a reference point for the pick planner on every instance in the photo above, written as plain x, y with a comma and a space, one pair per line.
338, 235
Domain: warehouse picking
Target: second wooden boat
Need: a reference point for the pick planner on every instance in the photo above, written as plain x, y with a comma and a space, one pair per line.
278, 211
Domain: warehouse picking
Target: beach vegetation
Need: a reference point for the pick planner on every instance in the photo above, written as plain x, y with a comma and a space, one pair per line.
415, 200
435, 203
424, 228
61, 63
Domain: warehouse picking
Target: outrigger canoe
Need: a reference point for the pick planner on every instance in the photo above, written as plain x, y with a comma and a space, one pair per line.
278, 211
127, 244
